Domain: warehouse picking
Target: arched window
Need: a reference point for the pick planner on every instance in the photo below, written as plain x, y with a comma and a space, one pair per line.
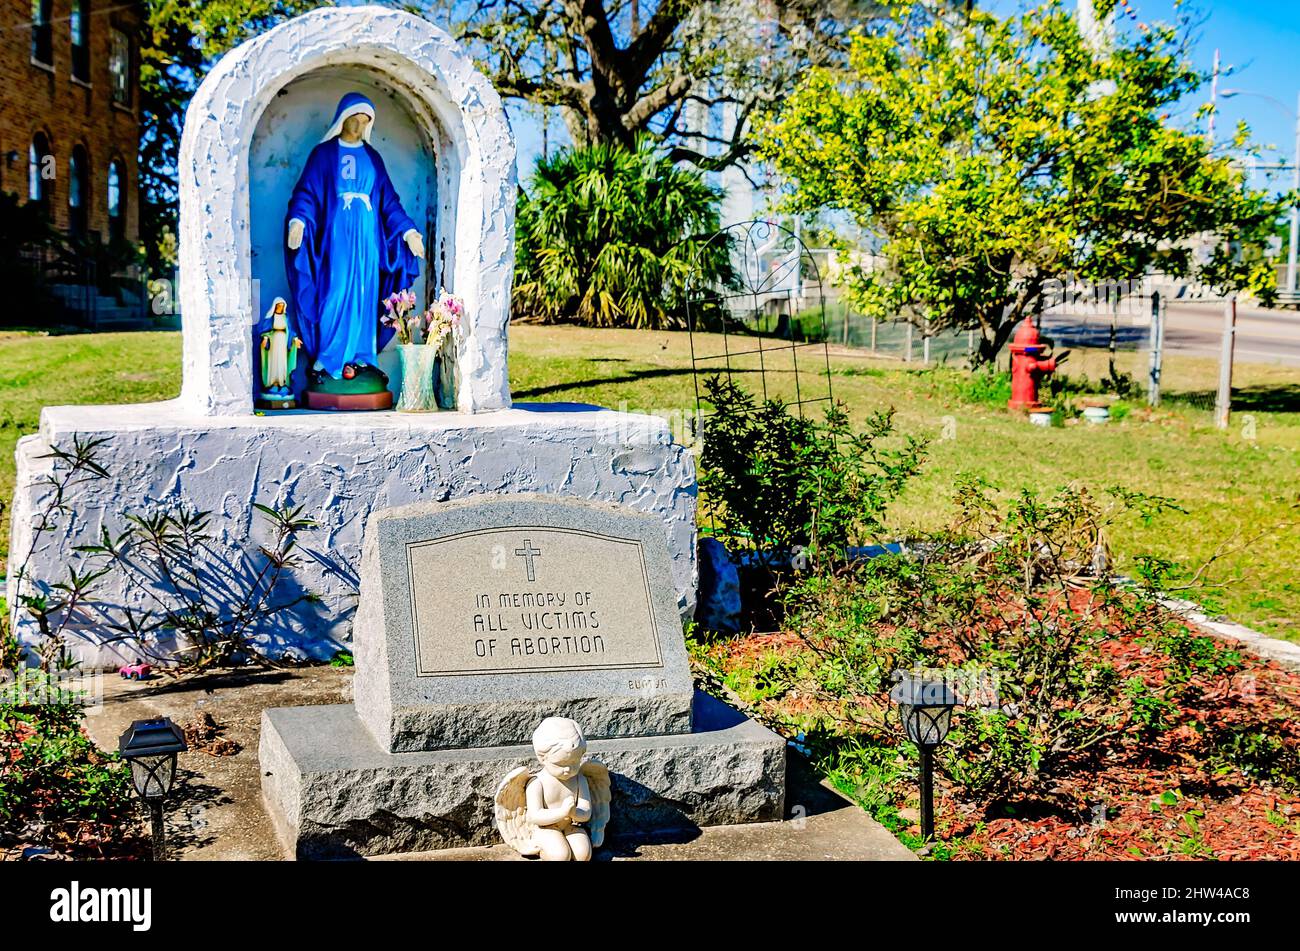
42, 32
119, 66
40, 170
116, 200
79, 20
78, 192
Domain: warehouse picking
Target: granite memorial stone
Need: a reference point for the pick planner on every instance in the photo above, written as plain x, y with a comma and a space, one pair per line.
479, 618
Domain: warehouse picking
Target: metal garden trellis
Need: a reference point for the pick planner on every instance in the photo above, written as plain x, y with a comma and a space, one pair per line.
772, 272
770, 312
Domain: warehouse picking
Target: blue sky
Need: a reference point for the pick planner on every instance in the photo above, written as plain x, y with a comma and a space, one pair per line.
1258, 40
1259, 43
1259, 50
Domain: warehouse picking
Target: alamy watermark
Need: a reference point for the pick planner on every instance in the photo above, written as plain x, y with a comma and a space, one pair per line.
977, 688
31, 687
1131, 297
684, 426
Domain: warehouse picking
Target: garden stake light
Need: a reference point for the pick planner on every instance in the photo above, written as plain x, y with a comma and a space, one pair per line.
150, 746
925, 713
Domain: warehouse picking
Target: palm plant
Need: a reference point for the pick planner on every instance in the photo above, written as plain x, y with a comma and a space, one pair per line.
614, 237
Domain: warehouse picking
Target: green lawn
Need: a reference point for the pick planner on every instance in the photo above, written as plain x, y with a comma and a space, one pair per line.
38, 370
1232, 484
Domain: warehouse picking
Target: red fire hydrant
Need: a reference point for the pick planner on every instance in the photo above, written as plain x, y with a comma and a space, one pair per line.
1026, 367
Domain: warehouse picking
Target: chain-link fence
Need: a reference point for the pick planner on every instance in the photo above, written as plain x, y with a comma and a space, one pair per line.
1151, 341
1172, 344
898, 339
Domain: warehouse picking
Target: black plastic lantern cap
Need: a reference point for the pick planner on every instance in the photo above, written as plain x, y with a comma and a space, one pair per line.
155, 737
924, 709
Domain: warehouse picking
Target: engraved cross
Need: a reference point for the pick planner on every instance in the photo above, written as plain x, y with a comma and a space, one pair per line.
528, 553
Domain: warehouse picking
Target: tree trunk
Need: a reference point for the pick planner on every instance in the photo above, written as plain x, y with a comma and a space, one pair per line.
995, 330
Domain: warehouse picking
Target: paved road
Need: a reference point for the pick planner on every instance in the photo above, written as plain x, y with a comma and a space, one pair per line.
1263, 336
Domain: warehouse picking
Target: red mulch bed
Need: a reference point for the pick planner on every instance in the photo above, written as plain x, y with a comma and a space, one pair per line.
1161, 800
1152, 796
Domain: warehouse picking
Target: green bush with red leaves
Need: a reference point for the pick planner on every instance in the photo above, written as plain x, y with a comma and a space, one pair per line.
57, 789
1059, 662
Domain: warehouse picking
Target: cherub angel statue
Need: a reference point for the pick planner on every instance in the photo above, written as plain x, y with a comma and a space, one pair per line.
560, 812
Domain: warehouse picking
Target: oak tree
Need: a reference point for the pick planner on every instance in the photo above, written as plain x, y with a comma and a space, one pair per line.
617, 69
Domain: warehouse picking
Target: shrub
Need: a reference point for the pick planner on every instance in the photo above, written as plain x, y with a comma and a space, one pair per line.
1016, 603
25, 233
212, 601
1260, 751
786, 482
986, 385
57, 789
110, 258
611, 237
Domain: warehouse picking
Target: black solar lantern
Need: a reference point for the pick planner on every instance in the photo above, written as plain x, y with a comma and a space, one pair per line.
925, 714
150, 746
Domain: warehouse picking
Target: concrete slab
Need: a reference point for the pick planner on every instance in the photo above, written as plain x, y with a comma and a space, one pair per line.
1285, 653
216, 812
820, 826
336, 794
219, 814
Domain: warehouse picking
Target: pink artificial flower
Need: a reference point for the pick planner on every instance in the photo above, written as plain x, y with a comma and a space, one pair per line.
453, 304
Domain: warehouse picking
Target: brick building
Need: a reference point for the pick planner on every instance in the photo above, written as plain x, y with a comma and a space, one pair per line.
70, 111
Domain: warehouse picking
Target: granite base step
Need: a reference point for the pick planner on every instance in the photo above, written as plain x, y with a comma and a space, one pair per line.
333, 793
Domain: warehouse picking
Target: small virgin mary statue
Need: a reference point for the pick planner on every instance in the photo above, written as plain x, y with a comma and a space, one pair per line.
350, 244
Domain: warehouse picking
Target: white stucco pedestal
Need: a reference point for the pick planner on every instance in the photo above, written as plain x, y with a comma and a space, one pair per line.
339, 467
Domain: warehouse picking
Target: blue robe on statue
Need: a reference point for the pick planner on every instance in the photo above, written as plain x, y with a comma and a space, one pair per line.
353, 254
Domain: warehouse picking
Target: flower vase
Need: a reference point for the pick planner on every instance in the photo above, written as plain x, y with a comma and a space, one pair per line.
419, 392
447, 373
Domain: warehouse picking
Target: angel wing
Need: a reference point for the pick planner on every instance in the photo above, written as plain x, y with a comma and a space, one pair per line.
597, 774
512, 812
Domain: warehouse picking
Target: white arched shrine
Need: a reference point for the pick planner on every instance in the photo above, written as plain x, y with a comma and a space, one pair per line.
470, 249
446, 141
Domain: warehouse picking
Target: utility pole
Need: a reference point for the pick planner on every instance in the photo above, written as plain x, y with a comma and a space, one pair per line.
1157, 346
1214, 98
1294, 242
1223, 403
1295, 208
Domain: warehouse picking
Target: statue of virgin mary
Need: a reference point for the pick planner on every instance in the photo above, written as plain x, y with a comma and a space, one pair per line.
350, 244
